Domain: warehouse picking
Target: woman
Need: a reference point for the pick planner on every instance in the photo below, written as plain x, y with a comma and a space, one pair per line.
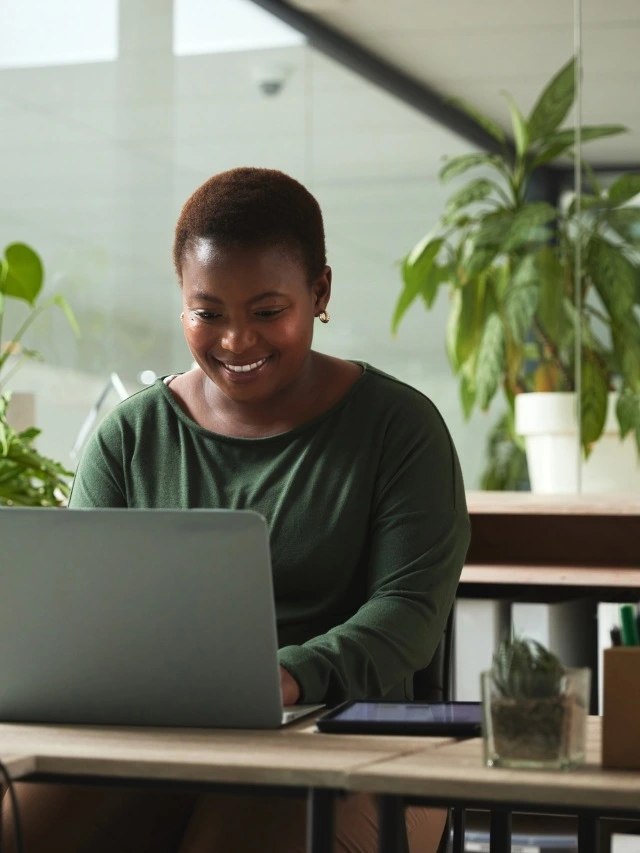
354, 471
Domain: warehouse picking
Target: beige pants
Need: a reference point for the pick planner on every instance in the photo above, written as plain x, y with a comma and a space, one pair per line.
65, 819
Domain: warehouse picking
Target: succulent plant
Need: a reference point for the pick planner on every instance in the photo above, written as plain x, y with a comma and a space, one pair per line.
524, 669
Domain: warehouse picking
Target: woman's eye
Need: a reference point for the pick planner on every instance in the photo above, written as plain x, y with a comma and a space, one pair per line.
206, 315
269, 312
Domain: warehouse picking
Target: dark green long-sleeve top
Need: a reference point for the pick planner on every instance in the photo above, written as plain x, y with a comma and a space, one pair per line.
367, 517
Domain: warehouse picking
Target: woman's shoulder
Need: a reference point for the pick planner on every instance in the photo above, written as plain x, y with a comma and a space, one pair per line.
135, 412
388, 393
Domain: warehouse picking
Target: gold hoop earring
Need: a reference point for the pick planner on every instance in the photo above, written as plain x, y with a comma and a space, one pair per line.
182, 316
324, 317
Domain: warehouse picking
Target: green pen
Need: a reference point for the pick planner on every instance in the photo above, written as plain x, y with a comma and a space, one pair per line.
628, 625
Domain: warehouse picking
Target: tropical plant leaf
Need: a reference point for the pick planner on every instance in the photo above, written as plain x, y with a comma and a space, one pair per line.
24, 273
628, 413
588, 134
626, 221
467, 395
482, 120
490, 360
550, 153
521, 299
624, 189
64, 306
553, 104
594, 398
477, 262
528, 224
459, 165
519, 125
453, 322
415, 269
494, 229
626, 345
474, 191
506, 468
550, 308
437, 275
614, 277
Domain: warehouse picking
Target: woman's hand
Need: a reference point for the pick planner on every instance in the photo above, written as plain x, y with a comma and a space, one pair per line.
289, 687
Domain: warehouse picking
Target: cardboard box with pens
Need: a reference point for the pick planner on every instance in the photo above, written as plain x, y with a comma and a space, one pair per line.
621, 714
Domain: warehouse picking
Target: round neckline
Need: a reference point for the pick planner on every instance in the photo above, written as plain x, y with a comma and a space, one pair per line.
208, 433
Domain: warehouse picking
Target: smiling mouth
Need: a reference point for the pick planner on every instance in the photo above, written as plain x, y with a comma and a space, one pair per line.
244, 368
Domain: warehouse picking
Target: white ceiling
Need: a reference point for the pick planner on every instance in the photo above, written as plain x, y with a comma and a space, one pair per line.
475, 48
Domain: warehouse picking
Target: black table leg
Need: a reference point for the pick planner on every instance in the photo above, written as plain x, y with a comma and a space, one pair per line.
458, 829
500, 831
393, 829
320, 820
588, 838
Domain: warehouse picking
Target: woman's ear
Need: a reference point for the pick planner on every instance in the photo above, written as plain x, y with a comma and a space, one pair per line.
321, 289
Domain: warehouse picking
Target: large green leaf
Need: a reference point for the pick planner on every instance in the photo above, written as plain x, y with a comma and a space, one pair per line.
550, 308
521, 299
477, 261
458, 165
588, 134
519, 125
626, 221
494, 229
626, 344
594, 398
467, 395
437, 275
528, 224
624, 189
490, 361
614, 277
553, 104
548, 154
24, 273
484, 121
474, 191
628, 412
415, 268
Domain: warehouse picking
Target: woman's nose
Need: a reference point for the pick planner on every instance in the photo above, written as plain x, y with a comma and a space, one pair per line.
238, 337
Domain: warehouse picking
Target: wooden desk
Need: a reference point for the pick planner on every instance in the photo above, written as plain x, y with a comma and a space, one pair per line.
436, 771
553, 546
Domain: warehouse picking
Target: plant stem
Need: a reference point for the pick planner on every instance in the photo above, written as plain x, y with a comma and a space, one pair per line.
13, 370
555, 355
23, 328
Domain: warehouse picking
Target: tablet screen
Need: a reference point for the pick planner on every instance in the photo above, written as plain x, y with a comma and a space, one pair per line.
457, 713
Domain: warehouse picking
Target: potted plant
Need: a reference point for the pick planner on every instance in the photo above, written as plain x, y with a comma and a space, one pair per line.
517, 305
26, 477
534, 709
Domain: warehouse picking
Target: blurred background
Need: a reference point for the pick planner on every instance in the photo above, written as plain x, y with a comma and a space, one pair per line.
112, 113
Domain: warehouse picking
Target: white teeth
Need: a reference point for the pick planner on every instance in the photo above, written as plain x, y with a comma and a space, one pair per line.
245, 368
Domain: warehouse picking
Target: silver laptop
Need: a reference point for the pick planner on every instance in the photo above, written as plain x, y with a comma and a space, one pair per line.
138, 617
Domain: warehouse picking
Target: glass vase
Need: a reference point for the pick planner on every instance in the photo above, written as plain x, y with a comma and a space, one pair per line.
536, 731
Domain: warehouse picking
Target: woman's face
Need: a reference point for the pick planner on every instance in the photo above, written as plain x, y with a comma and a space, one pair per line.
248, 317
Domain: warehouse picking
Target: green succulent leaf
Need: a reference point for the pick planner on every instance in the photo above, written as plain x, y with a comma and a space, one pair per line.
483, 121
519, 125
24, 273
594, 398
490, 360
624, 189
553, 104
459, 165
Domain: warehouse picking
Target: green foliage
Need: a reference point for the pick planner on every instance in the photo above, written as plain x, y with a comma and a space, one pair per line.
506, 461
509, 266
26, 477
523, 669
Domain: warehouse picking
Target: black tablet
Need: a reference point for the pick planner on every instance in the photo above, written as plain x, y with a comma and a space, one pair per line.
449, 719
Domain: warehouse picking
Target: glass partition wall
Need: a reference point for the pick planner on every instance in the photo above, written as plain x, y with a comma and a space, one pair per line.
109, 125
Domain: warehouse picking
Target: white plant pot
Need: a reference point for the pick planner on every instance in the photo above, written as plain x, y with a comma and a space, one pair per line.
549, 426
21, 413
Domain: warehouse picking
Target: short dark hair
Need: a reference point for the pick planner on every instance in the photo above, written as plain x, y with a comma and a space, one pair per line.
253, 207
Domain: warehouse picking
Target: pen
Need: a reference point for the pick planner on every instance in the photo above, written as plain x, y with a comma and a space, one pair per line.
616, 636
628, 625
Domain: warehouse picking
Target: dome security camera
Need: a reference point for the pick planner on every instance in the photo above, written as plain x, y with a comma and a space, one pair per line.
271, 79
